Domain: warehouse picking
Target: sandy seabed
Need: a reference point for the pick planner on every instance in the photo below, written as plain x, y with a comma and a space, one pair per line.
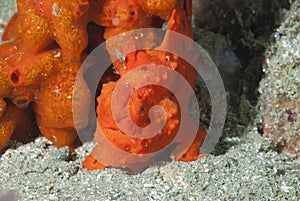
249, 169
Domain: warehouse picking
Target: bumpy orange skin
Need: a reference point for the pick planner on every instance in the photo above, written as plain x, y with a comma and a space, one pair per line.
145, 98
45, 44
